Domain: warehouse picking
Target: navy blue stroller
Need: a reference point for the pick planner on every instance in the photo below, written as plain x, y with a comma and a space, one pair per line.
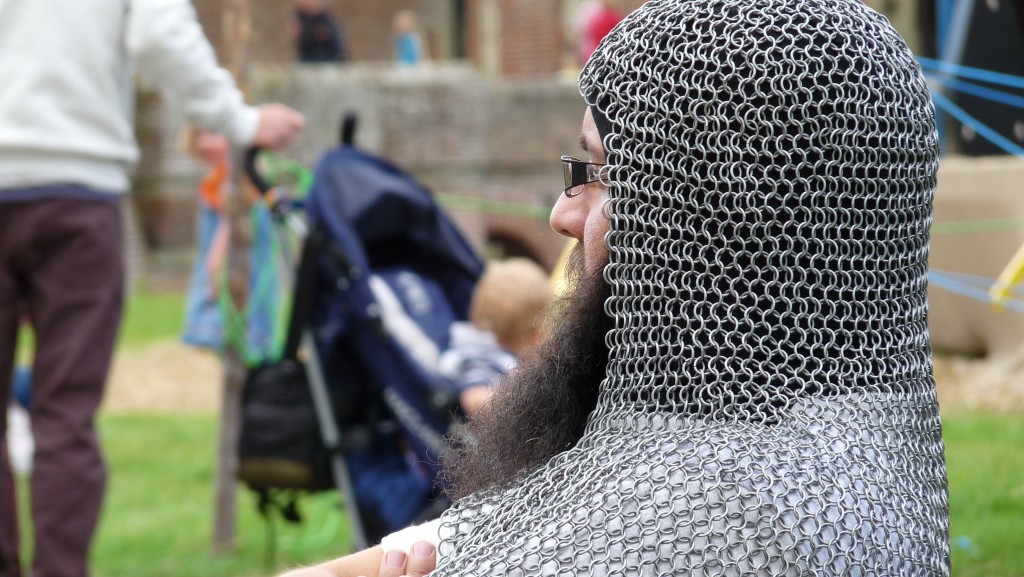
383, 274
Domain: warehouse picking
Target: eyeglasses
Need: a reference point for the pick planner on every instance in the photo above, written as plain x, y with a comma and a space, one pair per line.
577, 173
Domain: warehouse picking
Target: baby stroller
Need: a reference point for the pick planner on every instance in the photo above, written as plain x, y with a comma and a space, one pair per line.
383, 273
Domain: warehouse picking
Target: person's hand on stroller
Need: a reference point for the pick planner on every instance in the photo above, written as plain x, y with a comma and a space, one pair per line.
278, 126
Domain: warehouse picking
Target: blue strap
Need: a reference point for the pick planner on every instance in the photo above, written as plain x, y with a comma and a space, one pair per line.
980, 91
986, 132
998, 78
971, 287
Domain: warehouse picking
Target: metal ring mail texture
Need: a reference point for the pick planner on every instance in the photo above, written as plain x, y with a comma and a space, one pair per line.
769, 406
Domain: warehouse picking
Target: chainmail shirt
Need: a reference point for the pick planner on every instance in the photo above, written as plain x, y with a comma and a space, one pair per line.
769, 406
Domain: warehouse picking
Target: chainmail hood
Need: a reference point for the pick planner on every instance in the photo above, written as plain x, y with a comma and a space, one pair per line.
769, 407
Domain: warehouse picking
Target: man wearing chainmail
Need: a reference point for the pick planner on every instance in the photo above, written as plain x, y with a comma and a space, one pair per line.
740, 383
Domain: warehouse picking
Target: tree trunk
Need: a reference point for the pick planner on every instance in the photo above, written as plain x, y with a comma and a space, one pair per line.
236, 35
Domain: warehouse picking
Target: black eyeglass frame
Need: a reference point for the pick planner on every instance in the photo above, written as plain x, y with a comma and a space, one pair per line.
577, 173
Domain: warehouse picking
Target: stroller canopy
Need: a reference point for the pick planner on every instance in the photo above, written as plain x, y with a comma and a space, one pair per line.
381, 217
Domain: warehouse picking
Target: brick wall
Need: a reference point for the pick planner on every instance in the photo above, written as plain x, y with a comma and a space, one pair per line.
524, 38
515, 38
532, 37
366, 25
271, 36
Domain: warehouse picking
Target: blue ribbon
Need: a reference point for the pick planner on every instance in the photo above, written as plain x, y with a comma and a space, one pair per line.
980, 91
998, 78
986, 132
970, 286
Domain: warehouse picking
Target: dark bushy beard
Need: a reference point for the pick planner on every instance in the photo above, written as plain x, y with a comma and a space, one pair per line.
541, 407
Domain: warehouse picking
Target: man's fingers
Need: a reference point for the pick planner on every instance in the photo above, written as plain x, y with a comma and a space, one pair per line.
422, 559
392, 564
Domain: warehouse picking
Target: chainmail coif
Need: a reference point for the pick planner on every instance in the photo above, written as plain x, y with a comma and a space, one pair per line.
769, 407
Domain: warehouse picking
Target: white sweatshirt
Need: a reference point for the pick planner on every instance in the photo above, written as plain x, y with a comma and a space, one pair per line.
67, 94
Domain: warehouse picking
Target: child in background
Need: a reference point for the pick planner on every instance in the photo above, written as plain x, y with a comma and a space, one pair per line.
408, 41
318, 36
506, 319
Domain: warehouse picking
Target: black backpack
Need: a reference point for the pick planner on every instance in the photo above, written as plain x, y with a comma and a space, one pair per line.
280, 450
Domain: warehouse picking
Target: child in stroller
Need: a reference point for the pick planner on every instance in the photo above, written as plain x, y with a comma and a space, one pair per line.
505, 317
505, 320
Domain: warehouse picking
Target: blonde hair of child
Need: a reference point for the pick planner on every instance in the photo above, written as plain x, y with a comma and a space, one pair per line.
511, 300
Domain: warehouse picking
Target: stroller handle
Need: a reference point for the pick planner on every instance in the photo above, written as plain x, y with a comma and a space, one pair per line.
349, 121
347, 134
253, 172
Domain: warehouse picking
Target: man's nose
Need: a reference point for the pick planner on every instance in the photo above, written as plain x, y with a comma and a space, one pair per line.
568, 215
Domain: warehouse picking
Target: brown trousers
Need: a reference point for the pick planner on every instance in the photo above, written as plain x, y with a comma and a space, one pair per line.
61, 266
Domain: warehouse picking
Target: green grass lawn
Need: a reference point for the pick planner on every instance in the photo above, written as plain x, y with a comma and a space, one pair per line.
157, 520
985, 460
152, 316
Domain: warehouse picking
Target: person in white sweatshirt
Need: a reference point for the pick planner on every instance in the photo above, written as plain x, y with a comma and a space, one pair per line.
67, 148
